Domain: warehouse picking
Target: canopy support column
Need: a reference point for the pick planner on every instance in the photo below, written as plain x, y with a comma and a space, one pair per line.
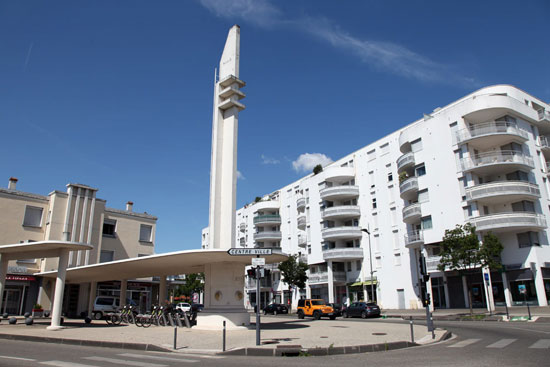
59, 289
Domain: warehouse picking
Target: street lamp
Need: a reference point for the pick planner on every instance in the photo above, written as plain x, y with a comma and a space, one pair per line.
370, 260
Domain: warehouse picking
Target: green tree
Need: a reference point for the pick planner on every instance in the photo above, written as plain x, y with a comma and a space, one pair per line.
293, 272
194, 283
317, 169
462, 251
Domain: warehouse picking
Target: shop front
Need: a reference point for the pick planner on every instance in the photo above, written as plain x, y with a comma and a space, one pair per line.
522, 287
19, 295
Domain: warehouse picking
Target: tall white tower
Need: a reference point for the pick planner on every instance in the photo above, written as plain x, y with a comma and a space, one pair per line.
225, 124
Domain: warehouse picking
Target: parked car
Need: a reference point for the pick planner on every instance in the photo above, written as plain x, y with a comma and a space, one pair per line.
275, 308
184, 307
316, 308
197, 307
106, 304
362, 309
337, 308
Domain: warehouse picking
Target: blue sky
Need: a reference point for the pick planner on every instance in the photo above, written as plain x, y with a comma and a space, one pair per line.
118, 94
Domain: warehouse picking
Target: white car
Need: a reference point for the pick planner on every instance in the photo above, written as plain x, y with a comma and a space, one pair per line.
182, 306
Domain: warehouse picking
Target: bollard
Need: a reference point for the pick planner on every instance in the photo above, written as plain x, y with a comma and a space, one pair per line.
175, 337
529, 311
412, 328
223, 343
507, 314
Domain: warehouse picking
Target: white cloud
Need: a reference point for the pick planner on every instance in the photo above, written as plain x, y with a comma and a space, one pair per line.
307, 161
268, 160
386, 56
240, 176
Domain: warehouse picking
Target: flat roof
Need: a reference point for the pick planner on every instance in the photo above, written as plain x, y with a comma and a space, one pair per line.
172, 263
40, 249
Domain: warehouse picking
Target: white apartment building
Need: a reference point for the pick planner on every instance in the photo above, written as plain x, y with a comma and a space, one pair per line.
75, 215
484, 159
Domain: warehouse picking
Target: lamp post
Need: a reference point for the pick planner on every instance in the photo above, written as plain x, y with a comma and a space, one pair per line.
370, 260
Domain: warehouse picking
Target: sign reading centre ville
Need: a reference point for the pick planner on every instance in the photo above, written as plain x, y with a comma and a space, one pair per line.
249, 251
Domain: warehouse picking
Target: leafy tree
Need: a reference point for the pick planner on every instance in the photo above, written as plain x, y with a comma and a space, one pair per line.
257, 199
462, 251
194, 283
317, 169
293, 272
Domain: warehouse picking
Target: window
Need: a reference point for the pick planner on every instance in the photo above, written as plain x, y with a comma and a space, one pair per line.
358, 265
109, 227
145, 233
378, 261
395, 239
33, 216
371, 155
385, 149
420, 170
393, 212
377, 243
349, 266
528, 239
423, 196
371, 178
390, 177
106, 256
374, 203
416, 145
426, 222
397, 260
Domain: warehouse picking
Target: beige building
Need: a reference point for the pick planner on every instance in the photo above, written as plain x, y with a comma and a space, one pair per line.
75, 215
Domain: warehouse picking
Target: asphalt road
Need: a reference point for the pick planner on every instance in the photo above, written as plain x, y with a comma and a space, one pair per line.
475, 344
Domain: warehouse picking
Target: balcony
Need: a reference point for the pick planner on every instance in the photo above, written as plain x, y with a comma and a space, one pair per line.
493, 133
341, 233
432, 262
405, 161
503, 191
267, 219
492, 162
339, 192
302, 241
412, 213
267, 205
509, 222
414, 239
544, 142
301, 204
242, 227
544, 115
344, 211
408, 188
347, 253
268, 235
339, 174
322, 277
302, 222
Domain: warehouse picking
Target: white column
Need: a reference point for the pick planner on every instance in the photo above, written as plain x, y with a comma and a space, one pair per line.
465, 290
123, 288
79, 255
59, 288
539, 285
162, 290
75, 222
446, 288
488, 286
3, 272
90, 228
330, 281
347, 296
507, 294
308, 291
91, 298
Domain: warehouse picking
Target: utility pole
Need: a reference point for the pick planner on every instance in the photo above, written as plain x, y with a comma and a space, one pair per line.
371, 271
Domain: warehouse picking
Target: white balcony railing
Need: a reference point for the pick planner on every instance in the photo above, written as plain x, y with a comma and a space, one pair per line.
339, 191
432, 262
301, 203
405, 160
509, 221
322, 277
267, 219
343, 232
501, 188
497, 157
544, 115
302, 241
347, 253
412, 211
341, 211
267, 235
490, 128
414, 238
302, 221
410, 184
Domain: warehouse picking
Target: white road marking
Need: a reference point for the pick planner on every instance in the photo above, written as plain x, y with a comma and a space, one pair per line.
502, 343
159, 358
464, 343
19, 358
124, 362
541, 344
66, 364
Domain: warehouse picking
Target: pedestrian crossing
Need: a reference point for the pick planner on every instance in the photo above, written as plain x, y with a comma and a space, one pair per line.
130, 359
502, 343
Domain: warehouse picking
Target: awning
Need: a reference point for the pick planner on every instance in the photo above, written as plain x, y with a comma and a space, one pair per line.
366, 282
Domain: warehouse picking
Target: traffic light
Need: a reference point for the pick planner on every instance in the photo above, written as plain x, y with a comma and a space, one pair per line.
427, 300
423, 270
251, 273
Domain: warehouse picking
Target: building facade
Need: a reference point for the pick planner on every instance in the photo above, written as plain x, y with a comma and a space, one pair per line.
363, 223
75, 215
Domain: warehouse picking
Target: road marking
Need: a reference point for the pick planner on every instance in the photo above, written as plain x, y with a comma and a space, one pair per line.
157, 358
19, 358
66, 364
541, 344
464, 343
125, 362
502, 343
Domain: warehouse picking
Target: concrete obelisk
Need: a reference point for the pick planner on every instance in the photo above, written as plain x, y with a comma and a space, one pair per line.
224, 282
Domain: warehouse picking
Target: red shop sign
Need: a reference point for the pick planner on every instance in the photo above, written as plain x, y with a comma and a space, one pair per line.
20, 277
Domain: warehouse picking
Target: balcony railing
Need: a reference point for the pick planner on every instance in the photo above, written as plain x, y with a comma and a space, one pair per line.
302, 241
242, 227
501, 188
322, 277
346, 253
269, 219
339, 192
301, 203
494, 158
544, 115
544, 142
490, 128
414, 238
267, 235
509, 221
432, 262
341, 211
409, 186
302, 221
412, 212
404, 161
343, 232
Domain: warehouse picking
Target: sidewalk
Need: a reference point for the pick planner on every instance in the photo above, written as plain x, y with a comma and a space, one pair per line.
542, 313
280, 333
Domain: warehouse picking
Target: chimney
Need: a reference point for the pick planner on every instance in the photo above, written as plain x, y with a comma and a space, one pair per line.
12, 182
129, 206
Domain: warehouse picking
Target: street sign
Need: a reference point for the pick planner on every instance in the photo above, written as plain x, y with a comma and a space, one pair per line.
486, 277
258, 261
522, 289
249, 251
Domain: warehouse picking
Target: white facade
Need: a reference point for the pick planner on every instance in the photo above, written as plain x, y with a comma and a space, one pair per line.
483, 159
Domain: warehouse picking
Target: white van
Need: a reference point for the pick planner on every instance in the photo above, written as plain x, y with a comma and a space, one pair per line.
105, 304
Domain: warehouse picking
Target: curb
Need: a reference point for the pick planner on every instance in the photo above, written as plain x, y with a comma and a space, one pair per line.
86, 343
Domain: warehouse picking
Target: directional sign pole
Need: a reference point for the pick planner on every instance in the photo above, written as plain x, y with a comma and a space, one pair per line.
258, 304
